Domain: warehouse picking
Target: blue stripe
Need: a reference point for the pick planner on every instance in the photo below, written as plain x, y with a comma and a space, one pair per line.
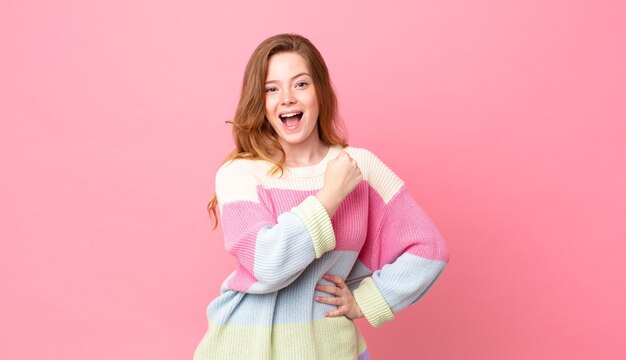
292, 304
407, 279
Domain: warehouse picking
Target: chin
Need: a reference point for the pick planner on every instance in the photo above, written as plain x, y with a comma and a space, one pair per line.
302, 134
293, 140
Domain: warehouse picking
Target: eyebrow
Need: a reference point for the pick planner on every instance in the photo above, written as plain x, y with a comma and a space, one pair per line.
293, 77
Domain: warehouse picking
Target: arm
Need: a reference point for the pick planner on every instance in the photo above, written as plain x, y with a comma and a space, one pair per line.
270, 253
404, 251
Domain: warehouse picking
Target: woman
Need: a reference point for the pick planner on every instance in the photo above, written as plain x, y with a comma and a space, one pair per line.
310, 221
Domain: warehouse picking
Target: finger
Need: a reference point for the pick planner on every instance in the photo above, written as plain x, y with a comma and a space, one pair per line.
331, 289
344, 155
333, 278
336, 279
338, 312
329, 300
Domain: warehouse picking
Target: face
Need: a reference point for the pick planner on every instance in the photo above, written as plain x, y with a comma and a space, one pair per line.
290, 100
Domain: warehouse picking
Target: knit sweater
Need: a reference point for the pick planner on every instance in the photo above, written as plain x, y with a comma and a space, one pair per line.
379, 241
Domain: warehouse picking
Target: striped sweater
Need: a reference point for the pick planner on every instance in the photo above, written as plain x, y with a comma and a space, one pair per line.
379, 241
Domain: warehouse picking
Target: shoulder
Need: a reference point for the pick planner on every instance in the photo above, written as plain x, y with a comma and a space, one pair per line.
238, 180
235, 167
365, 157
379, 176
246, 168
371, 165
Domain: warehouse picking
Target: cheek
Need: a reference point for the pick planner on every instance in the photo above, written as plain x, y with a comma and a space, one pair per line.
313, 103
315, 106
268, 107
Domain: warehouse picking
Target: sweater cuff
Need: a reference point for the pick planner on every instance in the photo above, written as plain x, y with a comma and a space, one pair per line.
317, 222
372, 303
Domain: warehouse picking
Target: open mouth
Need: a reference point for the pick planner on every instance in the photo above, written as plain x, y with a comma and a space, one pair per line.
291, 119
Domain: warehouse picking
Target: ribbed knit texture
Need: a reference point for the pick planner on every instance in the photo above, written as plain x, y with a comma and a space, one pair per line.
372, 303
284, 242
315, 218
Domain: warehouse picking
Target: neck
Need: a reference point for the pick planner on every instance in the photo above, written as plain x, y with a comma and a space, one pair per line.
306, 153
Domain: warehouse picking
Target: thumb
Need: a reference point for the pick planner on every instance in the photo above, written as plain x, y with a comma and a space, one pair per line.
343, 154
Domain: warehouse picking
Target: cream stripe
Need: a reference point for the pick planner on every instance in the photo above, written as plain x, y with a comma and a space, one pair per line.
334, 338
233, 182
238, 179
376, 173
316, 219
372, 303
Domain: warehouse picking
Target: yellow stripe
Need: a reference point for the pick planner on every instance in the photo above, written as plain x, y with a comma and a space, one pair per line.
330, 338
372, 303
316, 219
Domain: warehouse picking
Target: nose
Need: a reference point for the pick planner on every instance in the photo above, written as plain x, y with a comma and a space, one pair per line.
288, 98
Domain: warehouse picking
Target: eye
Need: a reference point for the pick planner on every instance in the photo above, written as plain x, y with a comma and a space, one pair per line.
270, 89
302, 84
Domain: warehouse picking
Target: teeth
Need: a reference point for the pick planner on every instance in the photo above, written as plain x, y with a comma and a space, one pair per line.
290, 115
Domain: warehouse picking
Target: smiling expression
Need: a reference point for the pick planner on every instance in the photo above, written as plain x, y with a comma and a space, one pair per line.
291, 104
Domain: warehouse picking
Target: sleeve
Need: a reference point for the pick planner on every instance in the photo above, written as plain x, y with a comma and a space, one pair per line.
271, 252
404, 252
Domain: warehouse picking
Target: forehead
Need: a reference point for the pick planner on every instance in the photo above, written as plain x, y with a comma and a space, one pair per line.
283, 66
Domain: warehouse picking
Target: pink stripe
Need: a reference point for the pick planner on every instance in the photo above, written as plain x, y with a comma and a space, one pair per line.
241, 223
242, 280
411, 230
406, 228
349, 221
370, 254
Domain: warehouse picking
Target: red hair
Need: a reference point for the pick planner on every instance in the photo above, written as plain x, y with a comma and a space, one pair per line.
254, 136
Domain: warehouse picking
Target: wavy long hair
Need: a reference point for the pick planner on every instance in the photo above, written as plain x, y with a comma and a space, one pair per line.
254, 136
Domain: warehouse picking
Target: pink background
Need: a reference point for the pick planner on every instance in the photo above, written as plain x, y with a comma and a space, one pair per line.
507, 121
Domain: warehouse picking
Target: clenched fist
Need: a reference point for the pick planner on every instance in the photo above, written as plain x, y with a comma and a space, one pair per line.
341, 177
